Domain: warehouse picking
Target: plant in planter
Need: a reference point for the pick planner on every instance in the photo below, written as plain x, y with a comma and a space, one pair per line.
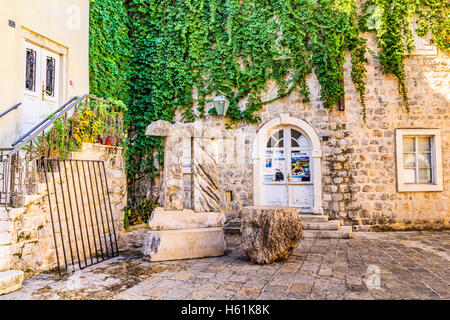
139, 211
110, 118
86, 126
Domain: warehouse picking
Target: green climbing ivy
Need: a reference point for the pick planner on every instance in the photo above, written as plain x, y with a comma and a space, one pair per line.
392, 21
169, 56
434, 17
188, 50
109, 50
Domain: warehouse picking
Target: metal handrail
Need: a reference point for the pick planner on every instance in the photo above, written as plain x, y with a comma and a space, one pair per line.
30, 137
4, 175
10, 109
12, 181
42, 122
7, 158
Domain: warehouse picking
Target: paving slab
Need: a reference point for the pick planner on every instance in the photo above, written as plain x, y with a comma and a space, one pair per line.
381, 265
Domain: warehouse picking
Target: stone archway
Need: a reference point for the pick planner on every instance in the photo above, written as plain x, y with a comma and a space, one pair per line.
258, 157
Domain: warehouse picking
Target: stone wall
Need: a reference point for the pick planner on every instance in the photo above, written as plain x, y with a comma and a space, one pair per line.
32, 247
358, 161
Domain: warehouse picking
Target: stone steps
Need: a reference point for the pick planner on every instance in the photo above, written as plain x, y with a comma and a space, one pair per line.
313, 218
344, 232
26, 199
232, 227
314, 226
10, 280
5, 238
318, 226
328, 225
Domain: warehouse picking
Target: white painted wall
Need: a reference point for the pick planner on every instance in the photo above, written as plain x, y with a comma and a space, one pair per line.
61, 26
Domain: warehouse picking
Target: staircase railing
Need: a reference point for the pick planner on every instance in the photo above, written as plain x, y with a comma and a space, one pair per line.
10, 109
21, 167
42, 123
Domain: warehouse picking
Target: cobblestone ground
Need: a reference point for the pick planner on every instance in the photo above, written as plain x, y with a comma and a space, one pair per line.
411, 265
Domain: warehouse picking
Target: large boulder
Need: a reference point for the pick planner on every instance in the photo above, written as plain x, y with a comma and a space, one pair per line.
269, 234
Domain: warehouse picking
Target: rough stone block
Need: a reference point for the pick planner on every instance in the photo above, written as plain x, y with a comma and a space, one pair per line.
10, 280
184, 244
205, 175
186, 219
268, 233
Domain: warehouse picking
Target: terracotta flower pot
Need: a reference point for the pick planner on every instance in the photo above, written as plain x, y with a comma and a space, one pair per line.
107, 141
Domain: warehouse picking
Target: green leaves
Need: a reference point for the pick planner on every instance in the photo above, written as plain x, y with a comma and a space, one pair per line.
391, 19
165, 56
184, 51
109, 50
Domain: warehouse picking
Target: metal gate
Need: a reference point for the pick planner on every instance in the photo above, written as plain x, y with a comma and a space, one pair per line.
80, 210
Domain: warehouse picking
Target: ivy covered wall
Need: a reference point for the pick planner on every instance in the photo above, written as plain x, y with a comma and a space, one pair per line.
109, 50
164, 56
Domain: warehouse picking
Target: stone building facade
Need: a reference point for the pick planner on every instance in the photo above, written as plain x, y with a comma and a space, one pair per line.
360, 180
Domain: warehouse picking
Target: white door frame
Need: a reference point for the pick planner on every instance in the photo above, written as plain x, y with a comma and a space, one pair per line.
38, 104
259, 145
30, 37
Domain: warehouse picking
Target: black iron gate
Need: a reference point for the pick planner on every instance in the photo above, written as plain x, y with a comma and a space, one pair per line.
80, 210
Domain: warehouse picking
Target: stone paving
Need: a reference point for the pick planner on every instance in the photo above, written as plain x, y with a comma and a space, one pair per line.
410, 265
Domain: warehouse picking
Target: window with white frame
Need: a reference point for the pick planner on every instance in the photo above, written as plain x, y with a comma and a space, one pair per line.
419, 160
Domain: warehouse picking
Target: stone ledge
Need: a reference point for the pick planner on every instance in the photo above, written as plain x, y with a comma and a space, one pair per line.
185, 219
10, 280
344, 232
313, 218
328, 225
184, 244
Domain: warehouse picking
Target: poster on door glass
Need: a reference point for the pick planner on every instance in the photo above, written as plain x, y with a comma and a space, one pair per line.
279, 165
268, 166
300, 169
274, 166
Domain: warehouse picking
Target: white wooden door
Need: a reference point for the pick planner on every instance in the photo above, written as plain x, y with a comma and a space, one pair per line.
287, 170
41, 85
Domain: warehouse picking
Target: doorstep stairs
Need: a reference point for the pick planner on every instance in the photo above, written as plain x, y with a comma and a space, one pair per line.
314, 226
318, 226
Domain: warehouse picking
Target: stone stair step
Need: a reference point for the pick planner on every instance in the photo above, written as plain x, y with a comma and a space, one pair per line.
39, 188
29, 198
328, 225
10, 213
313, 218
344, 232
10, 281
5, 238
232, 228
